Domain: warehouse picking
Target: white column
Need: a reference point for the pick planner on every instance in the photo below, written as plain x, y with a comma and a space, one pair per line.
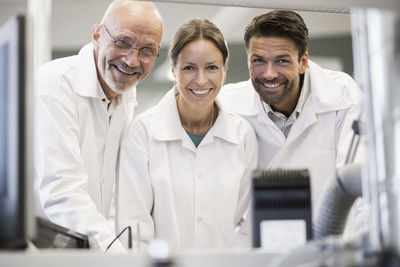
377, 67
38, 51
39, 13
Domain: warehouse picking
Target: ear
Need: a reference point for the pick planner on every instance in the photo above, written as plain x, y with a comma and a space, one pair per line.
248, 62
173, 71
304, 63
96, 35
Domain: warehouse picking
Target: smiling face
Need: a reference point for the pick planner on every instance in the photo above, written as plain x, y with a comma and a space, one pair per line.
199, 73
134, 23
275, 71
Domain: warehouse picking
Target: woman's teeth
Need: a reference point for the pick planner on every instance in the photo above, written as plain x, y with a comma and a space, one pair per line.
201, 92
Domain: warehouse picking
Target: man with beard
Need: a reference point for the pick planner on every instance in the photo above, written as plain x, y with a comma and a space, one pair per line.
85, 102
302, 114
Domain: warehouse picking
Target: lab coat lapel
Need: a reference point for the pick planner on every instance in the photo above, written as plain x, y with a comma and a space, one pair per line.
273, 133
306, 119
223, 128
119, 120
325, 96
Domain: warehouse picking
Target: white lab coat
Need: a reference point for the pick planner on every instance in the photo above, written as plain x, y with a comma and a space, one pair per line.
77, 146
320, 137
190, 197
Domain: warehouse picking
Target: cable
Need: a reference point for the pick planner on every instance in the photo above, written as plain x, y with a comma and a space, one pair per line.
354, 143
129, 237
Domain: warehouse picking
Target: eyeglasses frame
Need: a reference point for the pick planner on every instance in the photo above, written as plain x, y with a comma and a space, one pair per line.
129, 50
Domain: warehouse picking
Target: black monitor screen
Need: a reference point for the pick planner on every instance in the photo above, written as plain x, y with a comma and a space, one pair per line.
12, 84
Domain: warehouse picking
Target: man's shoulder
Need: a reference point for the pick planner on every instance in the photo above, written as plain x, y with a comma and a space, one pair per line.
237, 121
333, 86
67, 72
57, 67
231, 89
338, 78
239, 97
51, 76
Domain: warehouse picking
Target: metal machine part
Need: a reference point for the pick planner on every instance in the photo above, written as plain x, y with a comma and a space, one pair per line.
338, 198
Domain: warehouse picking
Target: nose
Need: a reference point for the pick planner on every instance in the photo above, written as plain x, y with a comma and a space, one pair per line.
270, 72
132, 58
201, 78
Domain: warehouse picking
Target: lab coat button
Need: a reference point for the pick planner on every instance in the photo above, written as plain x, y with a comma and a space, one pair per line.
199, 219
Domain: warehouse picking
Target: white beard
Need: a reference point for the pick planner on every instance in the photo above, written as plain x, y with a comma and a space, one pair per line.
119, 87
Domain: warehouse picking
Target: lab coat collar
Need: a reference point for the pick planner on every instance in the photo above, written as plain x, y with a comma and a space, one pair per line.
87, 75
89, 85
167, 119
225, 127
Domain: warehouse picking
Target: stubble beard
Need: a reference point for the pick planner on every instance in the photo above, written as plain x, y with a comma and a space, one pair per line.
270, 99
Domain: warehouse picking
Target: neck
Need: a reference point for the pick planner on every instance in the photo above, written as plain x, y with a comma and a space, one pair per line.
196, 121
287, 106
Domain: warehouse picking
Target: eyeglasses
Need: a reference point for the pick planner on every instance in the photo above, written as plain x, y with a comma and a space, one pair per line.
146, 54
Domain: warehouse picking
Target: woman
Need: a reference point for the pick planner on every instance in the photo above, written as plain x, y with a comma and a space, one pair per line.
185, 164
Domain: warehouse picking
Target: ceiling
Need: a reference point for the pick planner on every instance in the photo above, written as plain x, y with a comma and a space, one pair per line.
72, 20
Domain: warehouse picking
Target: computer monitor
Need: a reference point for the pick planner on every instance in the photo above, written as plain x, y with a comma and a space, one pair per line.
281, 209
13, 178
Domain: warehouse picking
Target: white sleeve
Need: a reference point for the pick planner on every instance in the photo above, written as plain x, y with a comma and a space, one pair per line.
250, 157
60, 172
134, 190
345, 133
243, 213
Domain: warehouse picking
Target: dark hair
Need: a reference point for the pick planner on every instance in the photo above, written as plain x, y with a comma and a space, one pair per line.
196, 29
279, 23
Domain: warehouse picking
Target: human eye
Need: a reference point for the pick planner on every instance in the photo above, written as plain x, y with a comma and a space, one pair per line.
283, 61
147, 52
188, 68
212, 67
257, 60
123, 44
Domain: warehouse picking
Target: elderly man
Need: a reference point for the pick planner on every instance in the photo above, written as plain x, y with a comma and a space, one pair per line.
85, 102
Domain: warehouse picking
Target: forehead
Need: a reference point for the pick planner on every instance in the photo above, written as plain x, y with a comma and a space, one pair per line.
200, 51
272, 46
136, 27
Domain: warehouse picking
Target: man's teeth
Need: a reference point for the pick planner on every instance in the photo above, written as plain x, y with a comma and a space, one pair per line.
201, 92
271, 85
123, 71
